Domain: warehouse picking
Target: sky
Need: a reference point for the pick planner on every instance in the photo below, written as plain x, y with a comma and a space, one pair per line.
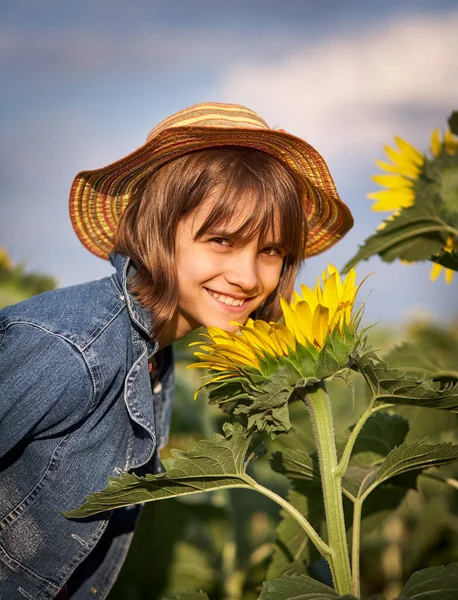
84, 82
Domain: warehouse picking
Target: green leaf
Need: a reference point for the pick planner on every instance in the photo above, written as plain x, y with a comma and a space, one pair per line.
209, 465
299, 587
432, 351
395, 387
435, 583
260, 406
449, 260
406, 458
423, 359
453, 122
415, 233
187, 595
296, 464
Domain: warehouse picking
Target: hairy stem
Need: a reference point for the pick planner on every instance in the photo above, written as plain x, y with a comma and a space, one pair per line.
355, 545
319, 407
320, 544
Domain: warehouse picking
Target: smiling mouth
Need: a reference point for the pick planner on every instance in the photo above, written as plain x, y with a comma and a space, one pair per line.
227, 300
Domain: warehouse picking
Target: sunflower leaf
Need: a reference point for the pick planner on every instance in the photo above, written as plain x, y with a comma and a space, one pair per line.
449, 260
435, 583
415, 233
395, 387
208, 465
296, 464
407, 458
435, 356
264, 408
299, 587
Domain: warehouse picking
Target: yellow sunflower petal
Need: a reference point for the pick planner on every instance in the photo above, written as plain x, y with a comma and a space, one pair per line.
349, 290
332, 293
449, 274
305, 314
389, 200
450, 244
391, 181
320, 322
296, 298
261, 340
450, 142
436, 270
309, 297
409, 151
435, 142
290, 317
284, 337
408, 169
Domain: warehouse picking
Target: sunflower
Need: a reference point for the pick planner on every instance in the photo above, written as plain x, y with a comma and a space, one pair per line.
406, 167
310, 320
254, 372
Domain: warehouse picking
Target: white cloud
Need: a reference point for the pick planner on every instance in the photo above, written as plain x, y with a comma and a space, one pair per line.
361, 87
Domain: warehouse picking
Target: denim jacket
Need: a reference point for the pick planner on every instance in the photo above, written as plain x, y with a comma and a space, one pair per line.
77, 405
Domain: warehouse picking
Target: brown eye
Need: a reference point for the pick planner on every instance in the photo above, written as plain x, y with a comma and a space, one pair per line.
220, 241
273, 251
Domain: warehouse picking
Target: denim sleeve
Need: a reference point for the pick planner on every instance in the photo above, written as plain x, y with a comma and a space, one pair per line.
45, 385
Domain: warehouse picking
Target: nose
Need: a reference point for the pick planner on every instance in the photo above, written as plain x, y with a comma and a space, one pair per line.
242, 271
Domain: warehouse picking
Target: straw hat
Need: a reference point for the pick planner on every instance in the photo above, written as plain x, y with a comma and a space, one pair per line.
98, 198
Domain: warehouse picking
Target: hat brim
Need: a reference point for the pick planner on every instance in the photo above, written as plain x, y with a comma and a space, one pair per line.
98, 197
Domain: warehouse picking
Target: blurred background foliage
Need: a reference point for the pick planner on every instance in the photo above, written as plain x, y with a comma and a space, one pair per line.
16, 284
223, 543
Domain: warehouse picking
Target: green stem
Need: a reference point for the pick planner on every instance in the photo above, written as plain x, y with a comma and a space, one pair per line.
320, 544
319, 406
355, 547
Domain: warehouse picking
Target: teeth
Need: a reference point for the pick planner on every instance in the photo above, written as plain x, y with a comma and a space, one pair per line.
227, 299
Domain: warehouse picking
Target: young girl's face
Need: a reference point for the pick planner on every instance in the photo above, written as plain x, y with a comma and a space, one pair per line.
220, 280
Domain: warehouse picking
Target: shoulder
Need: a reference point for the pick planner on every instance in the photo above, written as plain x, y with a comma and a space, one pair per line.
78, 314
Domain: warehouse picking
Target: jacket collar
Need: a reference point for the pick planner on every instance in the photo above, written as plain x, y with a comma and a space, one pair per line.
140, 315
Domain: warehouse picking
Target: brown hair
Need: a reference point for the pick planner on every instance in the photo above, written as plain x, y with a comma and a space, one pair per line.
147, 228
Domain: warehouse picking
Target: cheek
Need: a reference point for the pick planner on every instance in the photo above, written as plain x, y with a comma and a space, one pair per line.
193, 269
272, 277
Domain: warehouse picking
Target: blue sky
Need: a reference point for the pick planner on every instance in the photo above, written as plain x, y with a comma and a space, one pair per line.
83, 83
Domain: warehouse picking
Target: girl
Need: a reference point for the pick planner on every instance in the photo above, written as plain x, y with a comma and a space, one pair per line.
206, 224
